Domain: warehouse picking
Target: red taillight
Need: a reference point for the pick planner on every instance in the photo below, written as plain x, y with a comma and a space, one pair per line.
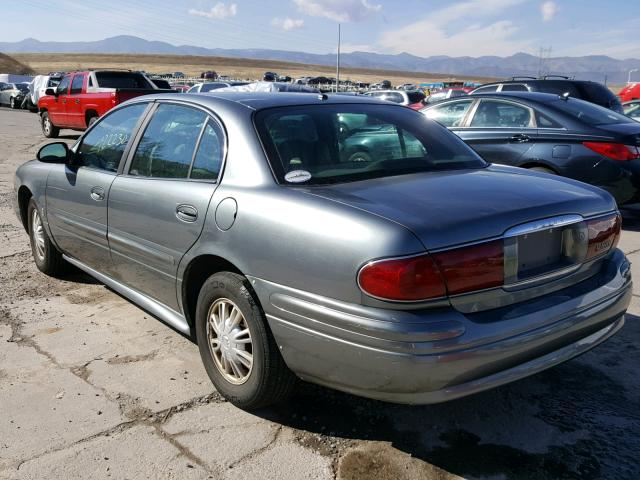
402, 279
431, 276
614, 151
604, 233
472, 268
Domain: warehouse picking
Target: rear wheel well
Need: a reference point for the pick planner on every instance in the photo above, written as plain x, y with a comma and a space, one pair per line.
88, 115
196, 273
24, 195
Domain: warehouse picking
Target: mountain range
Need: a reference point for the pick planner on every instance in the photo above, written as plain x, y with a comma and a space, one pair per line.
593, 67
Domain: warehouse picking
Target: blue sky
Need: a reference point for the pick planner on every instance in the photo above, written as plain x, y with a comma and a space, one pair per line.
420, 27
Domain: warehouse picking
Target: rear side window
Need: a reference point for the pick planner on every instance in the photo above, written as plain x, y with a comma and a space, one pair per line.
76, 85
168, 144
122, 80
495, 114
208, 160
102, 147
450, 114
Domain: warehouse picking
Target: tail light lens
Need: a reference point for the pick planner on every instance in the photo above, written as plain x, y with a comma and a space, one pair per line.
402, 279
604, 233
431, 276
614, 151
472, 268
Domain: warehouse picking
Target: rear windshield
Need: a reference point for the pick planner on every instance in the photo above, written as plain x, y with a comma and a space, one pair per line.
588, 112
322, 144
122, 80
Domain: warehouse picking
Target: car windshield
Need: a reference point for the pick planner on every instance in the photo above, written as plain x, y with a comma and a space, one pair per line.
324, 144
588, 112
122, 80
207, 87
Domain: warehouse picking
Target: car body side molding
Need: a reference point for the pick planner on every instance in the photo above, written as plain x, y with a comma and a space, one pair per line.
167, 315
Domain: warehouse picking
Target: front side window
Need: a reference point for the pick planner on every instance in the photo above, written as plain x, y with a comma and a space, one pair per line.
450, 114
102, 147
487, 89
324, 144
63, 86
168, 144
76, 85
496, 114
514, 87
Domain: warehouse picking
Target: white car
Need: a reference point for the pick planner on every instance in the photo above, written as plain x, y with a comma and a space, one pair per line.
12, 94
632, 109
210, 86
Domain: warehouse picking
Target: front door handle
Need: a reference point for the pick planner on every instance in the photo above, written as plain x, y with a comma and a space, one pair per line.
520, 138
77, 101
187, 213
97, 194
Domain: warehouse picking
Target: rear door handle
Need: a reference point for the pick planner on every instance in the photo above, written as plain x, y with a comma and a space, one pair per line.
520, 138
97, 194
77, 100
186, 213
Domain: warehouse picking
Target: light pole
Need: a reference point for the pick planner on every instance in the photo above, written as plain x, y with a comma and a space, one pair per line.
338, 63
630, 72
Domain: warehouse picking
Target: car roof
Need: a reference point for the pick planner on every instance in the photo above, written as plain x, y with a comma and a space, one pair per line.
262, 100
530, 96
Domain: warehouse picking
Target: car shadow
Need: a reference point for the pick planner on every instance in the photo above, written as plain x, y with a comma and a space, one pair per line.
580, 419
69, 137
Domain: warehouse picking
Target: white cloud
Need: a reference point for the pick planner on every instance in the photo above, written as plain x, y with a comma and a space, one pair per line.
287, 23
467, 28
218, 11
548, 10
355, 47
338, 10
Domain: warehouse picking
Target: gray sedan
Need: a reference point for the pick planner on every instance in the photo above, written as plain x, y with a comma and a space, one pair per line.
416, 274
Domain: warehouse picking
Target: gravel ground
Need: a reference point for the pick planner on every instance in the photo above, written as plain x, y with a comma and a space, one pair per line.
92, 386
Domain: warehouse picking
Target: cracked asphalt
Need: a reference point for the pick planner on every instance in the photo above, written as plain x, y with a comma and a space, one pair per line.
93, 387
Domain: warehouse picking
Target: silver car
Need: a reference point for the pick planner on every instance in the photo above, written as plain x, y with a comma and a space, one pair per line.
12, 94
412, 275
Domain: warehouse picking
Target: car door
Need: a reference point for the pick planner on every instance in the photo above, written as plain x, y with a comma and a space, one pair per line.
500, 131
77, 194
157, 209
75, 115
58, 110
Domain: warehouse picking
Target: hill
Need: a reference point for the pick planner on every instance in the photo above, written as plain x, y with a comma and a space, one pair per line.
11, 65
594, 67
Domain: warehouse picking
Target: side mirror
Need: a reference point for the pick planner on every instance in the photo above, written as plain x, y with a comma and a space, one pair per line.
50, 91
57, 152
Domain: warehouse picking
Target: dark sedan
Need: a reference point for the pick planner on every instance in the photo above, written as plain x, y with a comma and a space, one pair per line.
549, 133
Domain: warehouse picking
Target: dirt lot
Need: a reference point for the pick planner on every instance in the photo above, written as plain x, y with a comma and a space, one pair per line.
93, 387
243, 68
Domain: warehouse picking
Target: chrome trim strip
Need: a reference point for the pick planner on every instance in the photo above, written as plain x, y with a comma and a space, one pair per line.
167, 315
543, 224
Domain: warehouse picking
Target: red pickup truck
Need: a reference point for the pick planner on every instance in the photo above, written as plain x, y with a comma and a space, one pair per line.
81, 97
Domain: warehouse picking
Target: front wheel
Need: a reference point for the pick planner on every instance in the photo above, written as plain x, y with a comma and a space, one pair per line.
12, 103
237, 348
48, 129
47, 257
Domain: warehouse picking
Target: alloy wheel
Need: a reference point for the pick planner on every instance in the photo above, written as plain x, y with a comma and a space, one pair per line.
229, 341
37, 231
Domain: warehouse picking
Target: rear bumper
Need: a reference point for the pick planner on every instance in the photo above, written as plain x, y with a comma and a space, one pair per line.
431, 356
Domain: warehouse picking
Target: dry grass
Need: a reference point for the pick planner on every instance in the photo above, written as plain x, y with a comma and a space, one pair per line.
243, 68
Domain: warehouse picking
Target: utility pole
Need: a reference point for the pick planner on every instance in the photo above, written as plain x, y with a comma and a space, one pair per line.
338, 63
630, 72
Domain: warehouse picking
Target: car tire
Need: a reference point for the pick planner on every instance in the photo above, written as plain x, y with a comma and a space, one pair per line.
12, 103
47, 257
226, 344
48, 129
543, 170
